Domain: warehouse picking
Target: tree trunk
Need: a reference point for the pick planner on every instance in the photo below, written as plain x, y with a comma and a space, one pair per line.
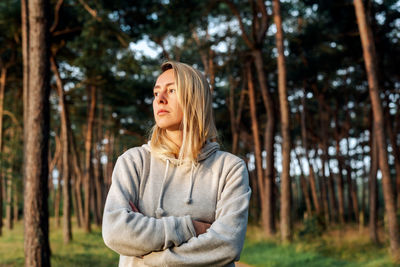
78, 182
99, 175
286, 221
379, 127
36, 221
15, 203
395, 152
256, 138
268, 213
109, 152
57, 199
235, 119
340, 184
3, 76
66, 174
9, 220
324, 193
88, 156
373, 191
304, 187
313, 184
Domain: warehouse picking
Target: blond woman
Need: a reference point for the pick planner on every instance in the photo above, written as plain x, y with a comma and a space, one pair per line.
178, 200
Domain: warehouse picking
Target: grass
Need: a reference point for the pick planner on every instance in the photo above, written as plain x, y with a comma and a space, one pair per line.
337, 247
84, 250
345, 247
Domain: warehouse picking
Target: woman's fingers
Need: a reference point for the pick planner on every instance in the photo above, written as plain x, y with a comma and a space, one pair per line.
200, 227
134, 209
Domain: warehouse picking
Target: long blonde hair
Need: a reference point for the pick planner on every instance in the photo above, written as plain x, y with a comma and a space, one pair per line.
195, 98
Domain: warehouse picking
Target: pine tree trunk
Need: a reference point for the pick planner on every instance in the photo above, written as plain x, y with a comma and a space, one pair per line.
3, 76
66, 174
99, 167
395, 152
286, 221
313, 183
77, 182
324, 193
256, 138
57, 200
340, 184
304, 187
379, 127
373, 191
268, 212
88, 156
36, 131
15, 203
9, 220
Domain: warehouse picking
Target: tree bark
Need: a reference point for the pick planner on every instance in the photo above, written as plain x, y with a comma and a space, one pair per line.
304, 187
3, 76
66, 174
340, 184
36, 221
379, 127
9, 220
313, 183
373, 191
78, 181
255, 131
268, 212
286, 221
100, 199
88, 156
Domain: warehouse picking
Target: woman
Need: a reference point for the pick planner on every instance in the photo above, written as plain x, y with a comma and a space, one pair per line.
178, 200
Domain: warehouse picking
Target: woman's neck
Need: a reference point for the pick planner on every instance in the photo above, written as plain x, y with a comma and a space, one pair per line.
176, 136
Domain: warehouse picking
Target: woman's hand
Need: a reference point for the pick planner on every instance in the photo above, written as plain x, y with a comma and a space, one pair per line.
134, 209
200, 227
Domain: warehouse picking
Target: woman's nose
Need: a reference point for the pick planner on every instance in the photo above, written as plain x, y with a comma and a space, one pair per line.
162, 97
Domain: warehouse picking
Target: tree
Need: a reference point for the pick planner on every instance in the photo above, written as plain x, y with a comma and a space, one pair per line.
379, 126
286, 222
36, 242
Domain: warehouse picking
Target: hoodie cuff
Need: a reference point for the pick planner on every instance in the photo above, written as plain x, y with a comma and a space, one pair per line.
177, 230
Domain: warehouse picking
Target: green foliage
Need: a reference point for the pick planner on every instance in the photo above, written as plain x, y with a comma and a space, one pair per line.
313, 227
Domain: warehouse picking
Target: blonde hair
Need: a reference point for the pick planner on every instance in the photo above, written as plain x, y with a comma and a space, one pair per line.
194, 96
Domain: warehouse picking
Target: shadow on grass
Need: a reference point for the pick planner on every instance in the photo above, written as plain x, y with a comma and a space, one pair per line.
84, 259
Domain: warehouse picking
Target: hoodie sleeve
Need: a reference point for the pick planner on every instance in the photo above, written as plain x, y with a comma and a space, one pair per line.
133, 234
223, 241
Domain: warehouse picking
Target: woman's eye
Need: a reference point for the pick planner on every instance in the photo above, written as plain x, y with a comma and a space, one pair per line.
172, 91
155, 93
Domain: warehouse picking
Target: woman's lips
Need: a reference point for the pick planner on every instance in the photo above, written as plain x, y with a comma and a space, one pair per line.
162, 112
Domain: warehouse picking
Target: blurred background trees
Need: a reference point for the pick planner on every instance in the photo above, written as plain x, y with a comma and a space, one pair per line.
105, 56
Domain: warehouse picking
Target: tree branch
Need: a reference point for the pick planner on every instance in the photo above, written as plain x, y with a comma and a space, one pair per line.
237, 14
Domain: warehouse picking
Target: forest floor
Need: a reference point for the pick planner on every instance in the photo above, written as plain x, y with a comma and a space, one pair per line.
345, 247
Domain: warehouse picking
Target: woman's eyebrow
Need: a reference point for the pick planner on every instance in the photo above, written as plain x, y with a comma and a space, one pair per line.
157, 86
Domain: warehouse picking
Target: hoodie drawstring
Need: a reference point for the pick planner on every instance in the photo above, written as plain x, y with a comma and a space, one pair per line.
189, 197
160, 211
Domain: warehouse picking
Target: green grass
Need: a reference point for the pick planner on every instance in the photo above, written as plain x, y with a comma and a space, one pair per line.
347, 247
84, 250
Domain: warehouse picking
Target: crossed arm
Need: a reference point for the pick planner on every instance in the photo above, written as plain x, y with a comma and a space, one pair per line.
200, 227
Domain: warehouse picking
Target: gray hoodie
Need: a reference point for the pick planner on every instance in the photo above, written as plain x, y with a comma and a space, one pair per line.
169, 195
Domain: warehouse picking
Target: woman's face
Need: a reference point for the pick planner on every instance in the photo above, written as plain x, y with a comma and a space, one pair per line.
167, 110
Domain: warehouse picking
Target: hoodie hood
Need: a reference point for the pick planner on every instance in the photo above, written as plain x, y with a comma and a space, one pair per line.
208, 149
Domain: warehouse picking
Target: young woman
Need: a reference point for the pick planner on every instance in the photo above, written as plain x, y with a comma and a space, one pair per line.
178, 200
